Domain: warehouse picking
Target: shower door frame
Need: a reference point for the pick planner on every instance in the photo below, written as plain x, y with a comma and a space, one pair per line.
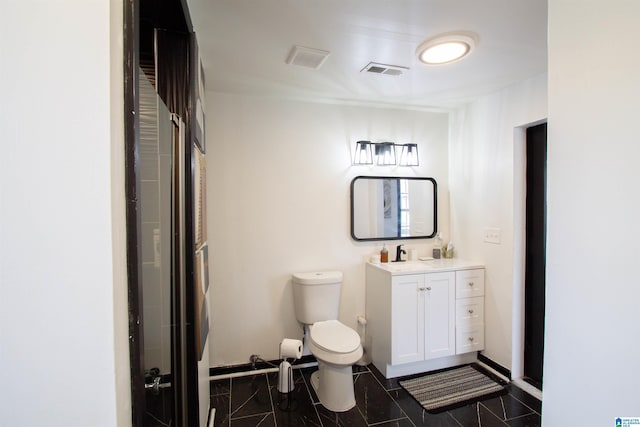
187, 411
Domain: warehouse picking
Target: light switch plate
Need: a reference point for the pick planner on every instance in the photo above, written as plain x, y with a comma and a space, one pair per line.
492, 235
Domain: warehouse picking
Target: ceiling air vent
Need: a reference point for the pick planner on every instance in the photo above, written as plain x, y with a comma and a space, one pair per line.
390, 70
307, 57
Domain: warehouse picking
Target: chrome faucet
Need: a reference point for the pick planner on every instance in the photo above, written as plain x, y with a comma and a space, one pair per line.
399, 252
154, 386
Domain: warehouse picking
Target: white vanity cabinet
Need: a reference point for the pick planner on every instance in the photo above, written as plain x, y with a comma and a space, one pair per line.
420, 317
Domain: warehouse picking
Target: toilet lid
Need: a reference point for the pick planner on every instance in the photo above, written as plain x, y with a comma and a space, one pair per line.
331, 335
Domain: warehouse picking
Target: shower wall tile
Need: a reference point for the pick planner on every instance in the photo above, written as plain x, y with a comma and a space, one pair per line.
151, 326
149, 164
148, 244
150, 201
151, 285
153, 358
165, 365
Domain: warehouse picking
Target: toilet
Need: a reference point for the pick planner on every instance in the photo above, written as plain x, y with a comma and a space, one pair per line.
336, 347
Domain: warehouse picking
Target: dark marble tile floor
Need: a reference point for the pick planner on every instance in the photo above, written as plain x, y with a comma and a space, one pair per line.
159, 407
255, 401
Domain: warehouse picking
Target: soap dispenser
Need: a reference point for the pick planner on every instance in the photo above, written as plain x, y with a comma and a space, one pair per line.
437, 246
384, 254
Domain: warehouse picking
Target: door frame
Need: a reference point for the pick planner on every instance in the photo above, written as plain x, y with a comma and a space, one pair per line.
131, 41
188, 415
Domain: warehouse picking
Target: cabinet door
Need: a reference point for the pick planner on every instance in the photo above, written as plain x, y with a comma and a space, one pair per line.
439, 314
407, 308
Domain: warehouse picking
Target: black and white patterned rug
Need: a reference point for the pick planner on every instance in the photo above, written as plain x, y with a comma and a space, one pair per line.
452, 388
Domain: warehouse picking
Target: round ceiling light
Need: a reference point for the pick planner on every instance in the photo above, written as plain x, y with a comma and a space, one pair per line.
445, 49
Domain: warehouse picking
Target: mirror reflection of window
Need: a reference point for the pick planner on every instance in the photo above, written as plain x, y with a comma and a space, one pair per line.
405, 209
391, 190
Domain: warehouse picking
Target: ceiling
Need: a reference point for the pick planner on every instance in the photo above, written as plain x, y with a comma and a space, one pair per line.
244, 45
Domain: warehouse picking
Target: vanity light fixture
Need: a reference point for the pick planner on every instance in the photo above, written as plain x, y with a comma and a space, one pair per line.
408, 155
385, 154
363, 154
445, 49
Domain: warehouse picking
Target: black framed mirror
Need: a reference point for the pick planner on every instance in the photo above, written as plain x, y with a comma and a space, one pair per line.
393, 208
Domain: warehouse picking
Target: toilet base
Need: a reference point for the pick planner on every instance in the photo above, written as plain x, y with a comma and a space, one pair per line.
334, 386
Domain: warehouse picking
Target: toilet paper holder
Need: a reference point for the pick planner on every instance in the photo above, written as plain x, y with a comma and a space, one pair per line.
289, 348
285, 377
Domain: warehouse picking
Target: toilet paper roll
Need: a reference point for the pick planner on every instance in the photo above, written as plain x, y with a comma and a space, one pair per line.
290, 348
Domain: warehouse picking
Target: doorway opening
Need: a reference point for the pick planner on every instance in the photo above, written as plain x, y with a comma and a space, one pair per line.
530, 156
535, 253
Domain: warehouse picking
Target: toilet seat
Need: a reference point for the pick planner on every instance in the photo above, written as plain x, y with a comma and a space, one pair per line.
334, 337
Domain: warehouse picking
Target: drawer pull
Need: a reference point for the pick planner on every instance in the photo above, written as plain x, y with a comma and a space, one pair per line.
470, 339
470, 283
425, 289
470, 311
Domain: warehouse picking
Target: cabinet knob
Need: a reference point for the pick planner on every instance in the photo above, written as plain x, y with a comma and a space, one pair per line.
470, 311
470, 283
470, 339
425, 289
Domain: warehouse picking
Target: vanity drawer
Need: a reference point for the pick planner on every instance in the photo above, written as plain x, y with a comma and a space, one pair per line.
470, 283
469, 311
469, 338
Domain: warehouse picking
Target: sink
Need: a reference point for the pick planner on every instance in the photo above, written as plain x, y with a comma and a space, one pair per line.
430, 266
408, 266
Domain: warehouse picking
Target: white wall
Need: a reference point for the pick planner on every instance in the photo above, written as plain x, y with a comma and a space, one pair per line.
118, 219
278, 203
481, 174
592, 348
63, 352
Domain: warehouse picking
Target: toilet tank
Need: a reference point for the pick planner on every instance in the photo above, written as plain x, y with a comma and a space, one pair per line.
316, 296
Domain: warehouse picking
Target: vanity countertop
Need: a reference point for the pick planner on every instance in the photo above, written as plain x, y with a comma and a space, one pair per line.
430, 266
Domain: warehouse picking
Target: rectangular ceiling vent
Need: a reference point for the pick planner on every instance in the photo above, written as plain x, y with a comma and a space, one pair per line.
307, 57
390, 70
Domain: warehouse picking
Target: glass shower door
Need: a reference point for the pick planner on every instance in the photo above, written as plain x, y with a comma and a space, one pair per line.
161, 224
